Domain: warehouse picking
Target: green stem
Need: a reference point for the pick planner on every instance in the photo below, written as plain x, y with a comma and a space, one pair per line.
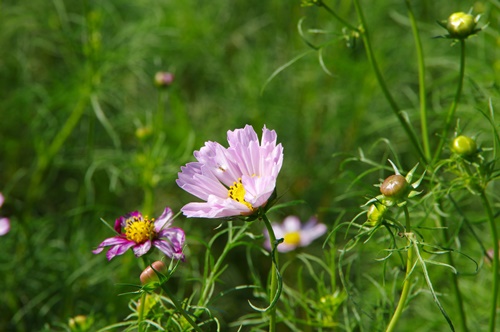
456, 289
407, 282
454, 104
421, 81
341, 20
274, 277
373, 62
56, 145
142, 304
209, 279
494, 238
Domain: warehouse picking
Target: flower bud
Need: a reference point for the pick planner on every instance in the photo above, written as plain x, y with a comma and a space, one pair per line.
464, 146
461, 25
376, 214
149, 275
80, 323
395, 186
164, 79
143, 132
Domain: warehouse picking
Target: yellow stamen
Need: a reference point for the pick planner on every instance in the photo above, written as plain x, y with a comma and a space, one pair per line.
292, 238
237, 192
140, 230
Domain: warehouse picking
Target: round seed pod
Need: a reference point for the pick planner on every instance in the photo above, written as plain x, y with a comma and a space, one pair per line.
464, 146
395, 186
149, 275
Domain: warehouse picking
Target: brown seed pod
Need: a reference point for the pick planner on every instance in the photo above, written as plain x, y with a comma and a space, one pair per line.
149, 274
394, 186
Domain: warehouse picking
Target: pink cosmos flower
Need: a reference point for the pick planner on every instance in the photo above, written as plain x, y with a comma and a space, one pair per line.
294, 234
140, 234
4, 222
232, 181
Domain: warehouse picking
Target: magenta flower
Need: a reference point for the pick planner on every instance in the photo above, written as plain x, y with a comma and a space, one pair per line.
4, 222
232, 181
294, 234
140, 234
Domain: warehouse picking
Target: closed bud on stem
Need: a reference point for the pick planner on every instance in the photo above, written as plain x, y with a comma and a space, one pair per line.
461, 25
395, 186
149, 273
376, 214
464, 146
80, 323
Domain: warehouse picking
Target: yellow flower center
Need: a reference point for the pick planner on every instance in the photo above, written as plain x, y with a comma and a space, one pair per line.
237, 192
140, 230
292, 238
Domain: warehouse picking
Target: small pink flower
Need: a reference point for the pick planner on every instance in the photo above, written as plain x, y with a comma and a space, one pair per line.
294, 234
4, 222
140, 234
232, 181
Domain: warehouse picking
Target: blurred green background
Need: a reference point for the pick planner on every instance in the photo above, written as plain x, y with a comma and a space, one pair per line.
80, 139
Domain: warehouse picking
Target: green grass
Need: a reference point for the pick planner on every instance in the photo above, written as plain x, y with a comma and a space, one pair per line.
76, 85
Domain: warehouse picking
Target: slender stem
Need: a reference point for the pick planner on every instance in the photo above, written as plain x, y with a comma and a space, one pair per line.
456, 289
373, 62
142, 304
274, 277
57, 143
454, 104
407, 282
421, 81
209, 279
334, 14
494, 238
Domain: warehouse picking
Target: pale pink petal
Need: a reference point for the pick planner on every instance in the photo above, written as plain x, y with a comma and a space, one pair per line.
215, 207
1, 199
242, 136
217, 161
291, 224
311, 231
258, 189
195, 181
4, 226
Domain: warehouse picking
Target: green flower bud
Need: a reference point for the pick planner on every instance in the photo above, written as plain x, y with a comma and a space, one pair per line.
464, 146
80, 323
461, 25
395, 186
376, 214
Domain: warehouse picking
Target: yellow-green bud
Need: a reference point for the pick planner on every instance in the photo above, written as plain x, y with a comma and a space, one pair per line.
395, 186
464, 146
461, 25
80, 323
376, 214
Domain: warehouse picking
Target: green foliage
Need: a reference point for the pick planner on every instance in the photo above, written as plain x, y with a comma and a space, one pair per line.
86, 135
